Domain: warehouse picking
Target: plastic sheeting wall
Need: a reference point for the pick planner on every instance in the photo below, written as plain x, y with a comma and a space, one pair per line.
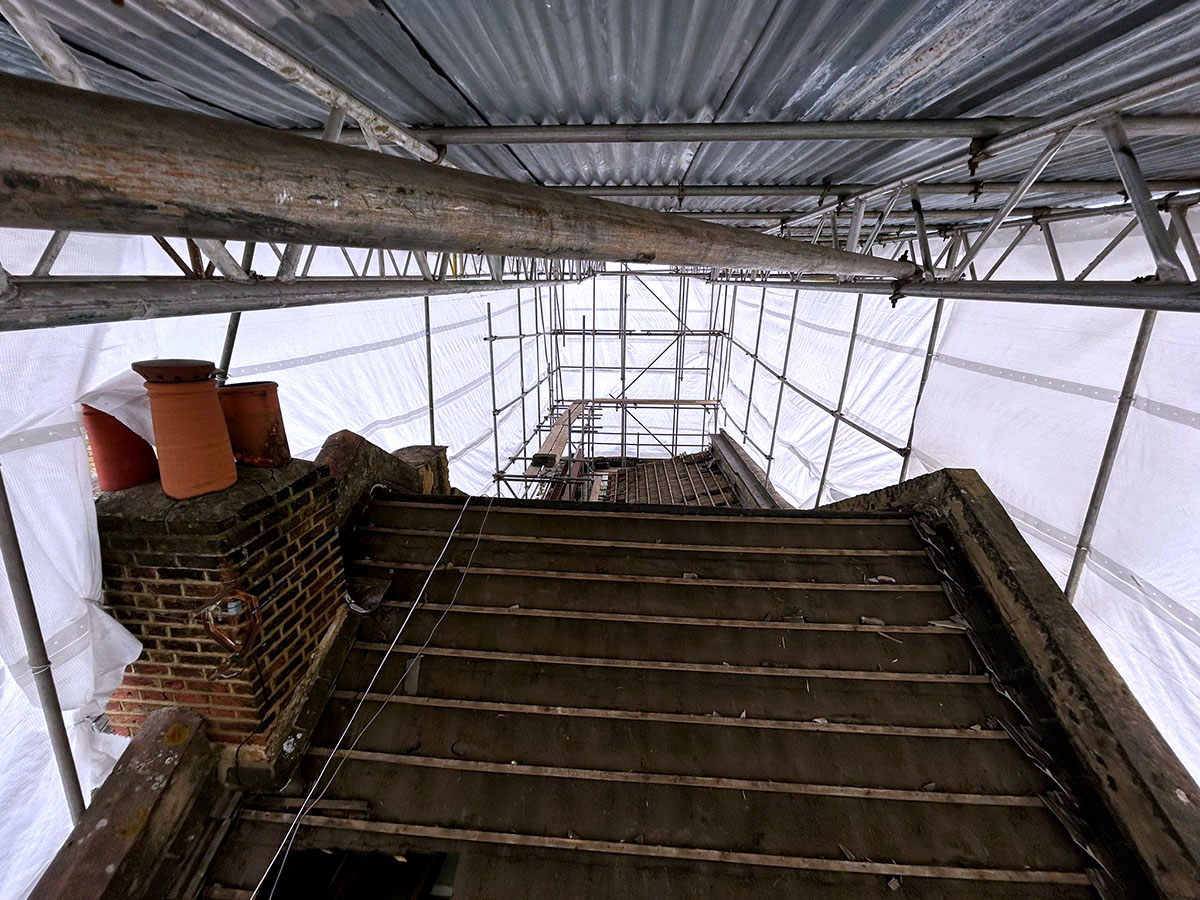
360, 366
1025, 394
884, 373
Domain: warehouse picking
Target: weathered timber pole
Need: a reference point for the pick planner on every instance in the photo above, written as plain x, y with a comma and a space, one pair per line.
73, 160
53, 302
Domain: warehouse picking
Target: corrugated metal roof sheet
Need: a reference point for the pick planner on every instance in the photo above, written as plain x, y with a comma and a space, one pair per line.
588, 62
594, 61
17, 59
941, 59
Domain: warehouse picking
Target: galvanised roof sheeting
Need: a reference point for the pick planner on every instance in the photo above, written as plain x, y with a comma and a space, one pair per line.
511, 62
17, 59
945, 59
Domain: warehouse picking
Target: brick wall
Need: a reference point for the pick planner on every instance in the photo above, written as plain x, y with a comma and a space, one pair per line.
271, 539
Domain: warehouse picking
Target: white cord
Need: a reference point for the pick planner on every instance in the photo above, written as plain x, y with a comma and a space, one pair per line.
310, 802
416, 657
294, 827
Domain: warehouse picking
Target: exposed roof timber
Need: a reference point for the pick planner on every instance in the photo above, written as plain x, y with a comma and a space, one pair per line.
1136, 773
718, 132
79, 161
928, 188
53, 302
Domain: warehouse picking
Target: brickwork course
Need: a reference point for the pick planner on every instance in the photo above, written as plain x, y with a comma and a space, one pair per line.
271, 539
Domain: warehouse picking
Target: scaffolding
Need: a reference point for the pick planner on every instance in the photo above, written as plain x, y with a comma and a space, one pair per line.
580, 432
468, 233
592, 445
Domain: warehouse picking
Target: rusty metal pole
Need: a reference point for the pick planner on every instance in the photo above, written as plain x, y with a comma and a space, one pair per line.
754, 363
39, 661
1169, 268
521, 375
491, 339
934, 330
235, 320
621, 328
429, 370
787, 355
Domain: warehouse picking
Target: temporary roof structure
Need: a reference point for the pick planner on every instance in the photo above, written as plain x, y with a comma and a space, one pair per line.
973, 140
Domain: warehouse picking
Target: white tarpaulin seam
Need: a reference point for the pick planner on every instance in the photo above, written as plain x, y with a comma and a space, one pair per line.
297, 361
1170, 611
310, 359
1168, 412
1184, 621
1150, 660
365, 431
1060, 385
412, 415
476, 441
1154, 408
859, 338
38, 437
